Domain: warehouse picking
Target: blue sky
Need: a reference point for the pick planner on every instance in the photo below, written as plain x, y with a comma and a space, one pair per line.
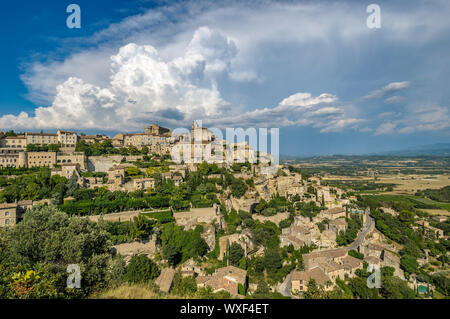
312, 68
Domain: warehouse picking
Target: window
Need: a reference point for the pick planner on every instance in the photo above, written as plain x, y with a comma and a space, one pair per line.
7, 222
6, 213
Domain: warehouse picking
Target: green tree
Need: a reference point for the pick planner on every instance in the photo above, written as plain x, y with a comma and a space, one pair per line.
144, 150
172, 254
72, 185
236, 254
361, 290
141, 269
140, 228
57, 198
395, 288
133, 171
238, 188
313, 291
47, 241
272, 260
409, 264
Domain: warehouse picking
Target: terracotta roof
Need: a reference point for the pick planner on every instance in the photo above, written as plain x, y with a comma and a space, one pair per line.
330, 266
316, 273
372, 260
301, 229
352, 262
202, 279
223, 278
333, 253
293, 240
333, 211
8, 205
43, 134
165, 279
231, 271
339, 221
376, 247
25, 202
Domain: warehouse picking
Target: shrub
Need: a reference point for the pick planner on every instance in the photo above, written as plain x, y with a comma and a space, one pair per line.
141, 269
356, 254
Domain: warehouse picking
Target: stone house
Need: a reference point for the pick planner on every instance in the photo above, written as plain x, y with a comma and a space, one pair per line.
287, 240
338, 225
11, 213
300, 280
226, 278
333, 213
144, 183
190, 268
67, 170
440, 219
335, 262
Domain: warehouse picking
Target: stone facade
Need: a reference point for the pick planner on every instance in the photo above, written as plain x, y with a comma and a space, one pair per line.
300, 280
144, 183
333, 213
334, 263
11, 213
196, 216
226, 278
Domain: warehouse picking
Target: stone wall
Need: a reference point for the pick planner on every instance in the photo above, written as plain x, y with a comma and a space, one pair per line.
102, 163
115, 217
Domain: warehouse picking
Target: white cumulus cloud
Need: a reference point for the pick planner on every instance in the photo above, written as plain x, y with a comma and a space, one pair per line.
142, 85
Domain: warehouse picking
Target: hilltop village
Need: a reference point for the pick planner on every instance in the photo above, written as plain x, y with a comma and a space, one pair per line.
206, 228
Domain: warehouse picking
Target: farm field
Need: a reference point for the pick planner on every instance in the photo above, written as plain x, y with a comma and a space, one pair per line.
416, 201
411, 183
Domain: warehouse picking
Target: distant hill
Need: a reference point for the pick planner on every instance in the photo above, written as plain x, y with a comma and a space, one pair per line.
440, 149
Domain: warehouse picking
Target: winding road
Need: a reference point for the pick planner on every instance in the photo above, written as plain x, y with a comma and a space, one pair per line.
368, 227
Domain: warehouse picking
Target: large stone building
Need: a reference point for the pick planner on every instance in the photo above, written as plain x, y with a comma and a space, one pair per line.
13, 142
20, 141
72, 158
21, 158
41, 138
155, 129
201, 145
39, 159
158, 139
67, 138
